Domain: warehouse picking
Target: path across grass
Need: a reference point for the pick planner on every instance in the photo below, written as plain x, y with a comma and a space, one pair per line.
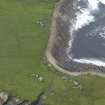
24, 29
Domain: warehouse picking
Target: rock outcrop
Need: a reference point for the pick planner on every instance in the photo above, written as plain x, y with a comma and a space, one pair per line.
6, 99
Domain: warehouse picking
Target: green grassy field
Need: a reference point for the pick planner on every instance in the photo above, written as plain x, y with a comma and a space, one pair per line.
23, 41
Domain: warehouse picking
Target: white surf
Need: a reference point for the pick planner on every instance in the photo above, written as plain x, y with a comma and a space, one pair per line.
90, 61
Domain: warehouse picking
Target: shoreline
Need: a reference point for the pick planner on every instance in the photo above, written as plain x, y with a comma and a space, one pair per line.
50, 46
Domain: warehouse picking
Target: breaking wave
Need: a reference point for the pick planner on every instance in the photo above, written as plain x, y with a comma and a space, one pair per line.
83, 17
90, 61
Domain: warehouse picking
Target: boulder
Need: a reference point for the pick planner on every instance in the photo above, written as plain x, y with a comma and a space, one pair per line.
40, 78
14, 101
25, 102
3, 97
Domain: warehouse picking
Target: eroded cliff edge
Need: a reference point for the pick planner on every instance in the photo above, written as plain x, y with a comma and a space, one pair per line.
58, 42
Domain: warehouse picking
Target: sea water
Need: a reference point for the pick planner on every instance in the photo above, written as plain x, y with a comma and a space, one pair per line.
87, 42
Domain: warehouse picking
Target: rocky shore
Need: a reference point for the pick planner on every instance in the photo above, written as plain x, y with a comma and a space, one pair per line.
58, 42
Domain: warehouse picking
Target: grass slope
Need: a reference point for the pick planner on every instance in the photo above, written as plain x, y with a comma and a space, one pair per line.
22, 45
